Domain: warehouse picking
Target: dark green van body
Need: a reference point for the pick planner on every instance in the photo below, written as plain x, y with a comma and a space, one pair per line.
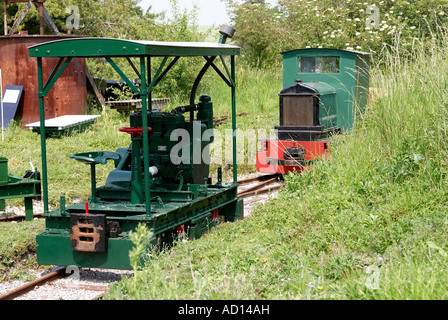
340, 77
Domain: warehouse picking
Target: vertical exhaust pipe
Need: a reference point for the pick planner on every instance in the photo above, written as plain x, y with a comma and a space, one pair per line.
225, 33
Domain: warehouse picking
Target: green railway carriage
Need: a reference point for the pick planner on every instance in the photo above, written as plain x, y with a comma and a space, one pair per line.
340, 77
323, 91
153, 183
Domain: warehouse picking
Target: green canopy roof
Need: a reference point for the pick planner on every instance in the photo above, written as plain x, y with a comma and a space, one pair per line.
106, 47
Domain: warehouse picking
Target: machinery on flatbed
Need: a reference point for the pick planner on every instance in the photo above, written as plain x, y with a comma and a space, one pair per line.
26, 187
158, 180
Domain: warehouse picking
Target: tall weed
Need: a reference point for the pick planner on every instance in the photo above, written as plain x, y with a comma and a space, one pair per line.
368, 223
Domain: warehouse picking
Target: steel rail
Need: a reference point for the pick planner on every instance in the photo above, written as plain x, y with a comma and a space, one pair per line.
267, 183
52, 277
257, 186
259, 191
257, 178
20, 218
27, 287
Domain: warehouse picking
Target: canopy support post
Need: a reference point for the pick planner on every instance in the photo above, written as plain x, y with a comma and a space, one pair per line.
144, 97
42, 134
235, 171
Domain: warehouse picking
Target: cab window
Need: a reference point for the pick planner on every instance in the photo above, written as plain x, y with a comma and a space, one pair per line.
319, 64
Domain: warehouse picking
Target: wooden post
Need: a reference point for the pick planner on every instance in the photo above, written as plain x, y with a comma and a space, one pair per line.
5, 17
41, 17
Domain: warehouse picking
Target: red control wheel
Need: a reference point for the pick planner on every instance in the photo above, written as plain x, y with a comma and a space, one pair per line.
134, 132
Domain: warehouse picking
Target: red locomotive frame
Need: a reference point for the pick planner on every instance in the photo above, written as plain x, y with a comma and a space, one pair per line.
283, 156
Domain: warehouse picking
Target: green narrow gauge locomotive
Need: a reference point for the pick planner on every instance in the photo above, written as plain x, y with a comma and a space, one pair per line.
323, 90
158, 180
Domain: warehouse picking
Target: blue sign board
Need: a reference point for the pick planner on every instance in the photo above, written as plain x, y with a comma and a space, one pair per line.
11, 100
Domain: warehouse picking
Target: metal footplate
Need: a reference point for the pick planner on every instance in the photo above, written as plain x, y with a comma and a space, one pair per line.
88, 232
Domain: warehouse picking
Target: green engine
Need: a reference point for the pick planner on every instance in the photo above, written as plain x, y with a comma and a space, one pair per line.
183, 199
178, 154
161, 180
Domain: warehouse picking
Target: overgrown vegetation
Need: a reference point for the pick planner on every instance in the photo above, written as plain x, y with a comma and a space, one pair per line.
17, 248
369, 223
264, 31
123, 19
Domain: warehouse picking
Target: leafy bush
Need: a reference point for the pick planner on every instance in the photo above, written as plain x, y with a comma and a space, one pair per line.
264, 31
368, 223
123, 19
17, 240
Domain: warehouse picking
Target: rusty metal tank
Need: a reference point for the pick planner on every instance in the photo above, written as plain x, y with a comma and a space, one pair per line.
67, 97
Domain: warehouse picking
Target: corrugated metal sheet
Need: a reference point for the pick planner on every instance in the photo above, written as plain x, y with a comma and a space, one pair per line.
67, 97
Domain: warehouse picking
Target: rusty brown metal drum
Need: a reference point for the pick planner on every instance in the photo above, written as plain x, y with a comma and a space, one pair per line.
67, 97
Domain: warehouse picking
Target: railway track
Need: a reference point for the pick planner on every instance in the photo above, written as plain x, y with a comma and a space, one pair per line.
19, 218
53, 282
259, 185
26, 288
247, 187
51, 287
257, 189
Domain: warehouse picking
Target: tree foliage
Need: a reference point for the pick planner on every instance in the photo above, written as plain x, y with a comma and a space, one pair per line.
264, 30
123, 19
98, 18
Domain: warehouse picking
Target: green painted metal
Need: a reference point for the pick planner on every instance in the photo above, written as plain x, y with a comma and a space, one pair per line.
351, 83
107, 48
12, 187
96, 157
92, 159
235, 170
180, 194
54, 246
19, 188
3, 170
55, 249
43, 142
149, 76
327, 104
144, 95
103, 47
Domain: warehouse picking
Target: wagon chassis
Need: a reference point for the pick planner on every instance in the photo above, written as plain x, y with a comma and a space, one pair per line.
96, 233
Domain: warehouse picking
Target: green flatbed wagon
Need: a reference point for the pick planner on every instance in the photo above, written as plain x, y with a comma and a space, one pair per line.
12, 187
157, 180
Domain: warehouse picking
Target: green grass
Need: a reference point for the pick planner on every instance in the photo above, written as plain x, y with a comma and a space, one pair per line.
17, 248
72, 179
369, 223
65, 175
